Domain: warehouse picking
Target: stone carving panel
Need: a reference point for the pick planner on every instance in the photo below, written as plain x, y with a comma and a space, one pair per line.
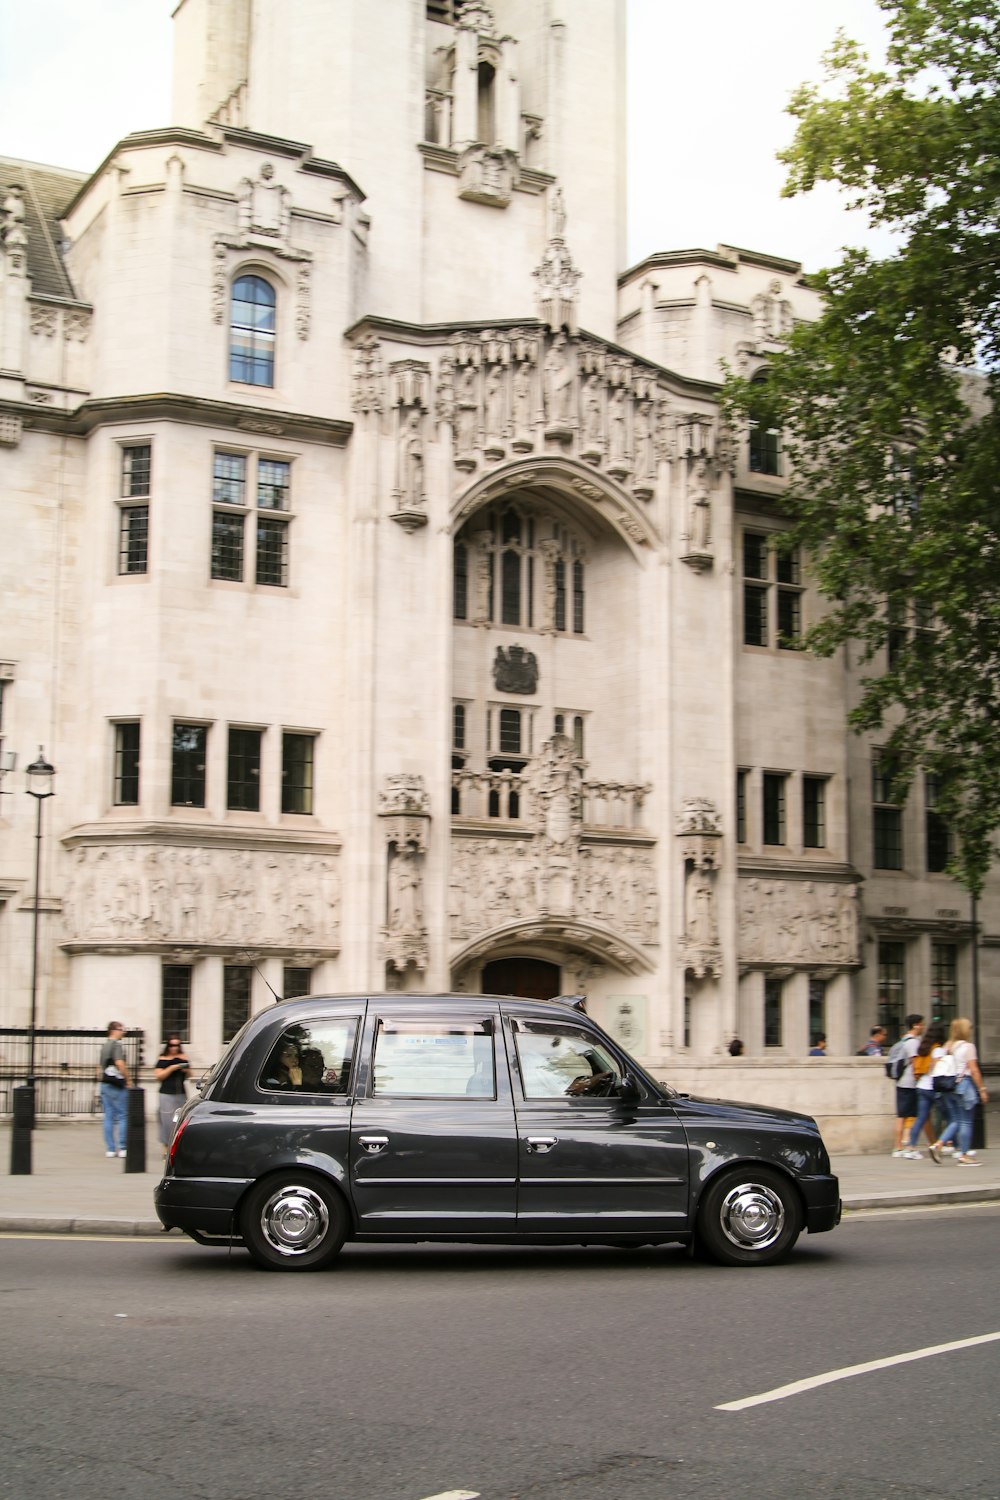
166, 894
498, 881
796, 921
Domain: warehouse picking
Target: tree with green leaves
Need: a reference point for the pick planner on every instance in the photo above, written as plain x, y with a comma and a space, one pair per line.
888, 402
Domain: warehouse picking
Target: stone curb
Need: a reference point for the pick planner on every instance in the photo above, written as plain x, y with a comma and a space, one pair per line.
41, 1224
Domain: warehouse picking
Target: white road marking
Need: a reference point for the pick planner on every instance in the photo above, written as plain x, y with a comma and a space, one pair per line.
781, 1392
455, 1495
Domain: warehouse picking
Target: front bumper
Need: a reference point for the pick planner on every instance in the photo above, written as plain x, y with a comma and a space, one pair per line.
204, 1203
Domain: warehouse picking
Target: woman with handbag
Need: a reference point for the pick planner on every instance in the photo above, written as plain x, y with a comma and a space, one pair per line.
967, 1093
925, 1059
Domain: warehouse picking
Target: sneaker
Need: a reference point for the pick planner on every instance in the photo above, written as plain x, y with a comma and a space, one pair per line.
966, 1161
934, 1152
948, 1150
912, 1155
121, 1153
109, 1153
899, 1151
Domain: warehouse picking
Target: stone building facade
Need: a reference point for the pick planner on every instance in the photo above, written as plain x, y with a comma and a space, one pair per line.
386, 586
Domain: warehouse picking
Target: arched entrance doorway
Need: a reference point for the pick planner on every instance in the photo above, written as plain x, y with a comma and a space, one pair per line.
527, 978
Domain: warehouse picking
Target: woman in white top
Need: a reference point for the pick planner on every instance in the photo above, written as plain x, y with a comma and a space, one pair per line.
968, 1092
931, 1048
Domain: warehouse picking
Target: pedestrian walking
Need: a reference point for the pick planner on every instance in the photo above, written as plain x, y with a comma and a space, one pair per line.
875, 1045
172, 1067
968, 1092
929, 1050
113, 1073
899, 1066
818, 1048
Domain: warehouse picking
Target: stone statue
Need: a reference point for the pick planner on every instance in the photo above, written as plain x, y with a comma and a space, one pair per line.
411, 458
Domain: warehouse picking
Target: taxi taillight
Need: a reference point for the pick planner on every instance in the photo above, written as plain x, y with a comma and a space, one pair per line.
176, 1141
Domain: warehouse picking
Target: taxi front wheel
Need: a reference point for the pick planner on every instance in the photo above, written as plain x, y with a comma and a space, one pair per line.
293, 1222
749, 1216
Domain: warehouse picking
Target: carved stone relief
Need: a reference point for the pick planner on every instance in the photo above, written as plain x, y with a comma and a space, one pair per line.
495, 882
556, 276
264, 219
13, 235
154, 894
367, 377
789, 921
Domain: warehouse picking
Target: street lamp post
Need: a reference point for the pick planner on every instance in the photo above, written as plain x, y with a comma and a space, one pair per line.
40, 779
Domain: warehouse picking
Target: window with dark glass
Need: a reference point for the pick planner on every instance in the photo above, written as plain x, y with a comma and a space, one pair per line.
460, 604
817, 1009
188, 749
944, 982
892, 1006
243, 770
814, 812
296, 982
237, 980
773, 791
252, 331
937, 832
772, 1012
175, 1000
133, 520
297, 754
772, 593
755, 586
458, 726
765, 443
887, 815
789, 594
272, 552
127, 739
741, 807
578, 623
227, 546
560, 600
274, 478
510, 731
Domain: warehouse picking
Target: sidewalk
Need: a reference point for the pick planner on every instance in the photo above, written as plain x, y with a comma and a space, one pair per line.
75, 1189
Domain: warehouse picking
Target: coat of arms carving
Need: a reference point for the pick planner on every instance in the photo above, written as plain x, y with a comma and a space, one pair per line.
515, 670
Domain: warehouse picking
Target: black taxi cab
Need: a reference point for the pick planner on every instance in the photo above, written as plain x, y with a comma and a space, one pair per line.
457, 1117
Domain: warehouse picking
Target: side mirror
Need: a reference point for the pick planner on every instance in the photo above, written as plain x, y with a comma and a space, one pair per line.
628, 1090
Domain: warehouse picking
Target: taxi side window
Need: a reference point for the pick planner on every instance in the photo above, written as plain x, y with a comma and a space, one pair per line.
434, 1059
563, 1061
312, 1058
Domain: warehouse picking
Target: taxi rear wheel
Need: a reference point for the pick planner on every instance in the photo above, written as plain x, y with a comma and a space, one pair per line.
293, 1222
749, 1217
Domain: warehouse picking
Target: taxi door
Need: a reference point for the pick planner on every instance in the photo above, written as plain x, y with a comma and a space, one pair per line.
433, 1138
588, 1161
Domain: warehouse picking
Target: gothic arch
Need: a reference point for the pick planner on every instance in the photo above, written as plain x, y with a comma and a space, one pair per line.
588, 496
559, 939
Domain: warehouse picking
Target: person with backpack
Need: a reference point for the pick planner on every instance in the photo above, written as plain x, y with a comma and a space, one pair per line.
875, 1045
899, 1067
929, 1049
113, 1073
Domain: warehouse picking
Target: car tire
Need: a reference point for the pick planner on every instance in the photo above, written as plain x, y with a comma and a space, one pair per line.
293, 1221
749, 1216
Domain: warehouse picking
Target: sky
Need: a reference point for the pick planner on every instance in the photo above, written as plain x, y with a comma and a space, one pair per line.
708, 88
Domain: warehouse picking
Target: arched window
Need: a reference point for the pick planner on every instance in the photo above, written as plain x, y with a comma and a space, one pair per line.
251, 331
485, 106
765, 441
532, 574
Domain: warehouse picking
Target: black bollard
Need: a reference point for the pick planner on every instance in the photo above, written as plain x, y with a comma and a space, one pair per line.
20, 1136
135, 1139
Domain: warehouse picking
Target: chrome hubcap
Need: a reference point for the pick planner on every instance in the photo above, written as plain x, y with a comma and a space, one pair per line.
753, 1216
294, 1220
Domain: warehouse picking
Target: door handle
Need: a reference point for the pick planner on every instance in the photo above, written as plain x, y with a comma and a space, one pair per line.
371, 1145
541, 1143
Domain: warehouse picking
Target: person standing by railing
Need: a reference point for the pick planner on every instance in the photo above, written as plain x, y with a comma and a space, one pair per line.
115, 1083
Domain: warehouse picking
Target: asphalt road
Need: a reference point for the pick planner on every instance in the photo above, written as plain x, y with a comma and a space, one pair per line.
160, 1369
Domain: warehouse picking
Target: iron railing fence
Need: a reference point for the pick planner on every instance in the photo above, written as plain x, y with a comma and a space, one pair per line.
66, 1060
